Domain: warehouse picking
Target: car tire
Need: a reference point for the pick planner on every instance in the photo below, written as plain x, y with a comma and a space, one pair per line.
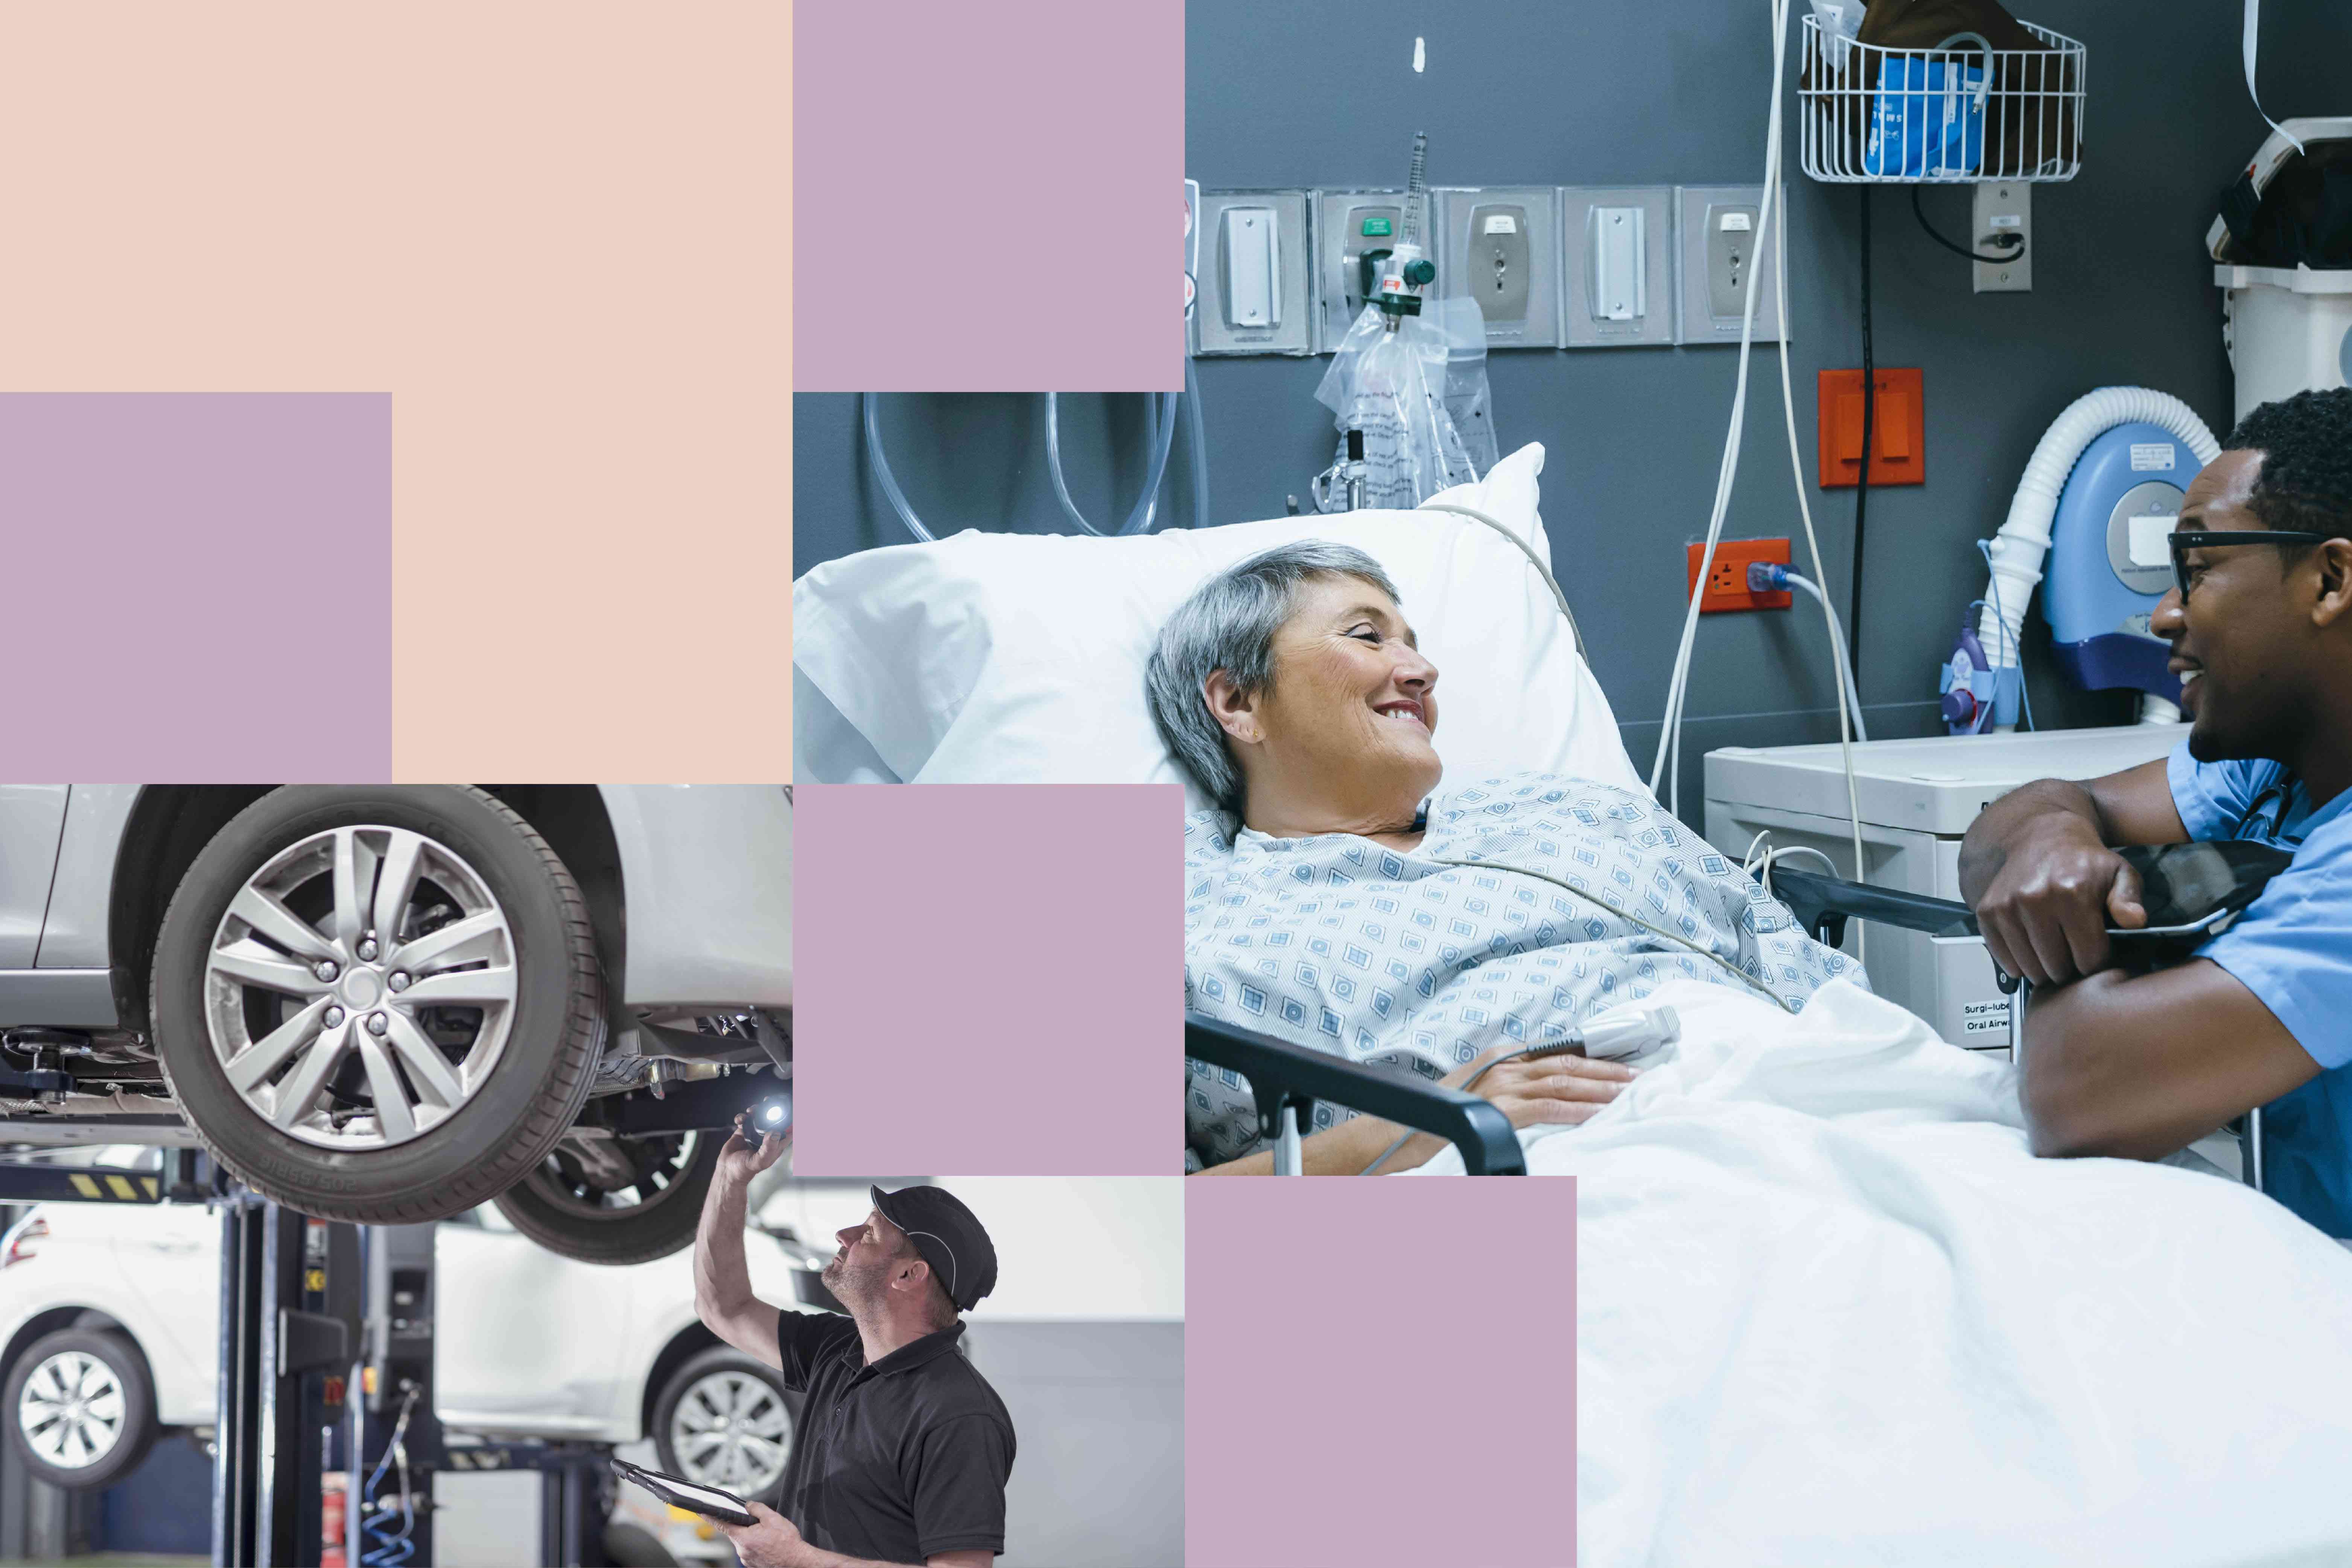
563, 1206
116, 1417
494, 1109
708, 1379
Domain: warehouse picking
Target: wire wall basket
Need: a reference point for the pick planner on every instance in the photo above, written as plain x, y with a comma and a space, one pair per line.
1958, 114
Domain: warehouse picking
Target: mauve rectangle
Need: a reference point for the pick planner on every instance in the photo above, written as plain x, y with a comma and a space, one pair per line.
197, 585
1380, 1371
988, 979
988, 198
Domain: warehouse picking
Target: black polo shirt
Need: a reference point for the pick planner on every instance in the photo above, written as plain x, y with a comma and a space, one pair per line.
896, 1460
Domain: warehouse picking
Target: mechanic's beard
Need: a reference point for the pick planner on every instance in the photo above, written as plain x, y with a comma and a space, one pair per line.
852, 1285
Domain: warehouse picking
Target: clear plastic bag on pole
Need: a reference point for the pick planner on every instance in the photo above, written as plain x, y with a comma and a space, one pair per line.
1418, 394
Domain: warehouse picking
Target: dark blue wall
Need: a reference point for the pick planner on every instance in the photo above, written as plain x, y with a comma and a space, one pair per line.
1321, 94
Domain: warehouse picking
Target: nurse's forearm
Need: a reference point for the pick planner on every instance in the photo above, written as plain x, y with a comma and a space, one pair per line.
1342, 1151
2041, 806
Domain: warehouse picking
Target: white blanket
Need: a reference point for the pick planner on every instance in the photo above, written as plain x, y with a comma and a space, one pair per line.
1830, 1310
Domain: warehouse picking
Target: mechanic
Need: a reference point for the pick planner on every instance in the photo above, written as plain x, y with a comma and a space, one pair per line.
902, 1448
2260, 619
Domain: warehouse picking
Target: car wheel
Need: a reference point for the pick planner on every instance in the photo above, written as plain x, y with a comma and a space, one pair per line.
604, 1199
378, 1003
726, 1420
81, 1411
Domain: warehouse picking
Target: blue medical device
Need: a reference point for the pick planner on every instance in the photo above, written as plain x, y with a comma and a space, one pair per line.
2110, 559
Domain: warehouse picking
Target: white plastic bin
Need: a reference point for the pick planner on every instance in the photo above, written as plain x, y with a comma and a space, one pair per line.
2287, 329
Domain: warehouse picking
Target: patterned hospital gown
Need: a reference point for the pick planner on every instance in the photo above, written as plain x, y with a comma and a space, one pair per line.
1400, 958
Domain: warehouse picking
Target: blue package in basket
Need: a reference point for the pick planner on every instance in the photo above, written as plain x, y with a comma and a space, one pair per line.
1929, 119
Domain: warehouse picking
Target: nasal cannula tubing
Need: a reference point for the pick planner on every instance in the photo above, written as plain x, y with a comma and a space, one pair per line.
1557, 1047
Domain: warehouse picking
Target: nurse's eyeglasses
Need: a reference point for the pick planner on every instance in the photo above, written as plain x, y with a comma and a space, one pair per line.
2185, 539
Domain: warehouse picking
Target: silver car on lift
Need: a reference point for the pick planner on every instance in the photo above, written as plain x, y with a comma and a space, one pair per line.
391, 1003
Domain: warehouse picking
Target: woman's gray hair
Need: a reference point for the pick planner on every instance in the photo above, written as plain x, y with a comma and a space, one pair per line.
1229, 623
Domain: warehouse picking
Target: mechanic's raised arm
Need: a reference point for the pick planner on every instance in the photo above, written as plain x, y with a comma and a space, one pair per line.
722, 1282
2037, 868
2137, 1067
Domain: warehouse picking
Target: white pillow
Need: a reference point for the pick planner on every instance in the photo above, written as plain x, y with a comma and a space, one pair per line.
1019, 658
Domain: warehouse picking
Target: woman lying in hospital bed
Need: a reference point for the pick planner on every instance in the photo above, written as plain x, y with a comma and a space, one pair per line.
1334, 902
1830, 1308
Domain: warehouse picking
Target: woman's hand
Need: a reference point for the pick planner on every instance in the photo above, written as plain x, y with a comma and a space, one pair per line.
1551, 1090
740, 1159
1560, 1090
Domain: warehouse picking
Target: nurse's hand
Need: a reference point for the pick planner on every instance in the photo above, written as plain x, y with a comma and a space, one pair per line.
2046, 912
1563, 1090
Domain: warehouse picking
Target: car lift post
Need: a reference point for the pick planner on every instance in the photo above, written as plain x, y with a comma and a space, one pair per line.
395, 1375
289, 1294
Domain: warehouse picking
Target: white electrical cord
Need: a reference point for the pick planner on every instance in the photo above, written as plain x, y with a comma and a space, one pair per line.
1760, 866
1837, 644
1849, 695
1667, 767
1849, 703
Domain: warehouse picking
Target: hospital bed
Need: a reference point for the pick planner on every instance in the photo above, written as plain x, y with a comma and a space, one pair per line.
1286, 1081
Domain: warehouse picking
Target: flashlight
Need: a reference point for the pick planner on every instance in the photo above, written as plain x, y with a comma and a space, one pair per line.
774, 1114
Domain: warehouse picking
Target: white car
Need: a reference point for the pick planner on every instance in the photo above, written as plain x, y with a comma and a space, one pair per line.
109, 1335
389, 1004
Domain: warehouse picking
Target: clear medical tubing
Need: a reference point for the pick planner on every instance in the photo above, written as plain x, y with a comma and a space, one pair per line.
1414, 185
2018, 548
1158, 437
1159, 432
1193, 434
1525, 549
882, 471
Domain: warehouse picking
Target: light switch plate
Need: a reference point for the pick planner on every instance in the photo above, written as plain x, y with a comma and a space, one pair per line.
2002, 206
1592, 223
1341, 219
1270, 311
1499, 245
1718, 229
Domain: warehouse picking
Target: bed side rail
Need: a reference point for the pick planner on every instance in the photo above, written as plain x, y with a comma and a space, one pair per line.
1282, 1076
1823, 903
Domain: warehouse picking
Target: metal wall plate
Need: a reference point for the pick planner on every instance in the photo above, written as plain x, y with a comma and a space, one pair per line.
1348, 225
1601, 229
1716, 232
1499, 245
2002, 207
1255, 287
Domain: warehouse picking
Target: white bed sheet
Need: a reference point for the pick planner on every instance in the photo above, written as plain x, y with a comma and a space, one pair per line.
1831, 1310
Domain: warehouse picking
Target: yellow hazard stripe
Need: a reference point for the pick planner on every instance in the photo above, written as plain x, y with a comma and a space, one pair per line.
152, 1186
121, 1187
84, 1186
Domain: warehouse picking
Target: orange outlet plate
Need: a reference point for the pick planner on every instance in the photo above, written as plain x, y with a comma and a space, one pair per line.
1897, 429
1727, 574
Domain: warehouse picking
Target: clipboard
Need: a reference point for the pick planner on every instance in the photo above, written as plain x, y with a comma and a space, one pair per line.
692, 1496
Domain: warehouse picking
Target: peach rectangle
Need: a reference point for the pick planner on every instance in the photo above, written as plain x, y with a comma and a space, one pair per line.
557, 232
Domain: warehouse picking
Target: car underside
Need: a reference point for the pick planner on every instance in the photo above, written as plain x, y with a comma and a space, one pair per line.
389, 1004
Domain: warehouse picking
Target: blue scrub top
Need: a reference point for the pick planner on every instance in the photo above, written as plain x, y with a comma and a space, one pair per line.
2292, 949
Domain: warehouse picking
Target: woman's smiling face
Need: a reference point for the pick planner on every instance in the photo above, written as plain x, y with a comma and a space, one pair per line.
1352, 698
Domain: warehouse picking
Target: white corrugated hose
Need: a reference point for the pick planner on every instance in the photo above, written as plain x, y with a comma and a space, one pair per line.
2023, 541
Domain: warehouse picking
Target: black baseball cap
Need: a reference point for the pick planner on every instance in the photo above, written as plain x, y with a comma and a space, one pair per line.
949, 1235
